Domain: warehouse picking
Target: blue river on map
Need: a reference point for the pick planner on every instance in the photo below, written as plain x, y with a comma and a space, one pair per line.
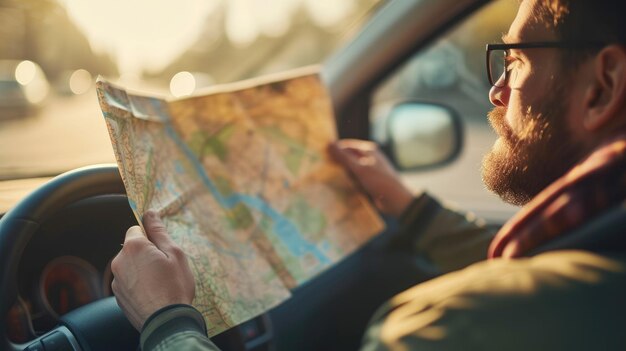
286, 230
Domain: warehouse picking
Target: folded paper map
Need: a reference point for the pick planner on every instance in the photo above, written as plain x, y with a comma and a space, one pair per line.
241, 177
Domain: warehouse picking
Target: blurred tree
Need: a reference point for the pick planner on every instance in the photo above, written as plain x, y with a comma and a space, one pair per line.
41, 31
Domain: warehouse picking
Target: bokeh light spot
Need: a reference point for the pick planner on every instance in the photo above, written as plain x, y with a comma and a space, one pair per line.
182, 84
25, 72
80, 81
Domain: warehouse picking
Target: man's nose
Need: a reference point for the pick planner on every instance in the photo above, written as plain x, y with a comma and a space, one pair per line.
499, 93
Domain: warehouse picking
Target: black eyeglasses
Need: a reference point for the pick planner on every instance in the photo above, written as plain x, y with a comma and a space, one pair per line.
497, 54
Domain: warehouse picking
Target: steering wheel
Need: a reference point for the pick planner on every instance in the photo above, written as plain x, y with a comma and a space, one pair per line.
100, 325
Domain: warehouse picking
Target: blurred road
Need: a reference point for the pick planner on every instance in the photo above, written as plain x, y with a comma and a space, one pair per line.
67, 132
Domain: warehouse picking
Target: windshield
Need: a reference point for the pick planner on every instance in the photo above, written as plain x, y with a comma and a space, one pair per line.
52, 51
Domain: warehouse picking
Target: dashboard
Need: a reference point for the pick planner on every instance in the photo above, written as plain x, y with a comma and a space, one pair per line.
67, 263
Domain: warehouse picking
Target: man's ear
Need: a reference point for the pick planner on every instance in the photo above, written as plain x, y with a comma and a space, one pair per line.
604, 98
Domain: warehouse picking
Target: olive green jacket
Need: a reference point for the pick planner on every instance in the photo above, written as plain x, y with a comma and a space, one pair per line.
561, 300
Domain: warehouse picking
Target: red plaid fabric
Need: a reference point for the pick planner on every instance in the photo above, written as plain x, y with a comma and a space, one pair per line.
592, 186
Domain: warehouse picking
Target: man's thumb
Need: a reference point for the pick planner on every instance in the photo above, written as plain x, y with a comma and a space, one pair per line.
155, 229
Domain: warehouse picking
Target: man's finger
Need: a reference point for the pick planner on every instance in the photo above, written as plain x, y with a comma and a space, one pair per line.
337, 153
356, 144
134, 232
155, 230
349, 157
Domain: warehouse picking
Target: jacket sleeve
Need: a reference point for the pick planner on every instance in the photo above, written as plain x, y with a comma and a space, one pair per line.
176, 327
449, 239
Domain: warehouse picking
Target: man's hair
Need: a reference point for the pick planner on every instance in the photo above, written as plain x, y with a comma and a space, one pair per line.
584, 21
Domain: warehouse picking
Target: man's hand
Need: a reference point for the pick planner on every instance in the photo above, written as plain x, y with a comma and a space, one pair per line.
375, 174
150, 272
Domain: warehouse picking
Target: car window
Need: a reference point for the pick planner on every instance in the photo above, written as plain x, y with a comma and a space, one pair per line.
452, 72
51, 51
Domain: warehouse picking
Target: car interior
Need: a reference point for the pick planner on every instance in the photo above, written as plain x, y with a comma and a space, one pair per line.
60, 233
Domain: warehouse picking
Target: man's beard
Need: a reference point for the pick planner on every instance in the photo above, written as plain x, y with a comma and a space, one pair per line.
519, 166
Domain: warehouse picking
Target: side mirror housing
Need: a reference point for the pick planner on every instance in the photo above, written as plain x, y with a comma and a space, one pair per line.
423, 135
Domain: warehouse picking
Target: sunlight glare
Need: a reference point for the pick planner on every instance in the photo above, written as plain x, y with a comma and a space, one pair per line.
145, 35
141, 33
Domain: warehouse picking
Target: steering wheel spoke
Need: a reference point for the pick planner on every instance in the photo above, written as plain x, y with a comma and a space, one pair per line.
58, 339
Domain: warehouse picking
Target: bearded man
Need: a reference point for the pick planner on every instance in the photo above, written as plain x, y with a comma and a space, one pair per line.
560, 113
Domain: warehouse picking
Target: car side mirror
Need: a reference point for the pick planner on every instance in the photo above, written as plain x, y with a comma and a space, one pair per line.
423, 135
